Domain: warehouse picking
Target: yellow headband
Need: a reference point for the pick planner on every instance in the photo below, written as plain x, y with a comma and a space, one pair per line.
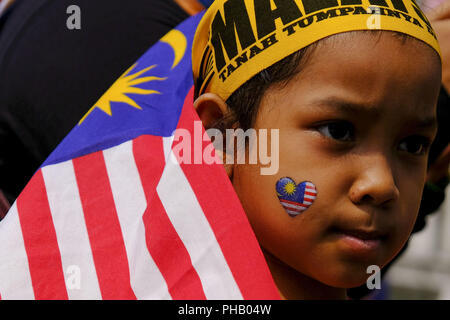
236, 39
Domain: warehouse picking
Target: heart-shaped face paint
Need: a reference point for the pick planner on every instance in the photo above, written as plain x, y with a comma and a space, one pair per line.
295, 198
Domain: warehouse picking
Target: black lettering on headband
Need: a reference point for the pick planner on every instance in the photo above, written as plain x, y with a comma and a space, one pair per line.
316, 5
224, 32
323, 15
231, 69
235, 25
269, 41
204, 70
241, 59
345, 11
407, 17
248, 55
359, 10
236, 21
350, 2
396, 14
380, 3
205, 84
392, 13
287, 10
254, 50
399, 5
338, 12
303, 23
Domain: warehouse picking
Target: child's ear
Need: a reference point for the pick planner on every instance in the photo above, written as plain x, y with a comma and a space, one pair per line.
210, 108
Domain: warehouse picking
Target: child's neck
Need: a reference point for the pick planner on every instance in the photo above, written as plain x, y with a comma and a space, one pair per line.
294, 285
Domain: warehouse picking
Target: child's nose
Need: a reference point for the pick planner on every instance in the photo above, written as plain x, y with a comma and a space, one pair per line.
375, 183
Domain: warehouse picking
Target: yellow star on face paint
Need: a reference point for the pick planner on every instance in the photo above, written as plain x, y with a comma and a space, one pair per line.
124, 85
290, 188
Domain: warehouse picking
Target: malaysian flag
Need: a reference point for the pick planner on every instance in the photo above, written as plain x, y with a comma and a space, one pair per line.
112, 214
295, 198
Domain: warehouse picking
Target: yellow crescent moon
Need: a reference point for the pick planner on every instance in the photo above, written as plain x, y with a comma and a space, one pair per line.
178, 42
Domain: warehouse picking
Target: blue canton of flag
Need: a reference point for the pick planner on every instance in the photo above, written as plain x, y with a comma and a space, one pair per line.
144, 100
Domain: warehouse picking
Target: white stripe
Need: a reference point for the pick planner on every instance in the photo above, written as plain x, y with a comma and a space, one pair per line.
71, 232
194, 230
167, 145
307, 203
15, 278
309, 198
129, 198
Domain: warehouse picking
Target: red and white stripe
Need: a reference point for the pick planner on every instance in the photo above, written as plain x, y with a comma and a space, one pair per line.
293, 208
310, 194
135, 226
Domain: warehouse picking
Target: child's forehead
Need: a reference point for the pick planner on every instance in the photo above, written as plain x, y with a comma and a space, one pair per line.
335, 80
360, 55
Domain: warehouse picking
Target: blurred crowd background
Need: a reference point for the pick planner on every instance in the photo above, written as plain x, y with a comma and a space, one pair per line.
423, 270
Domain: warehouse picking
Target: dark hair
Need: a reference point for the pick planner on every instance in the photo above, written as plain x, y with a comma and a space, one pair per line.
243, 103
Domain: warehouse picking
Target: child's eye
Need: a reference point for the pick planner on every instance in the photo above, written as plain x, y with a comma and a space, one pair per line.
339, 130
416, 145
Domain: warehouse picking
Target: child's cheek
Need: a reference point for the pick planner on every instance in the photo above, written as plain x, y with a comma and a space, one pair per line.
274, 227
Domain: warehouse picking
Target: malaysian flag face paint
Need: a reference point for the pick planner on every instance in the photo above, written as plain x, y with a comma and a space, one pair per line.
295, 198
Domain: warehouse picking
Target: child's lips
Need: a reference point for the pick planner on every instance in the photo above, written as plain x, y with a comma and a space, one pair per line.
365, 235
360, 241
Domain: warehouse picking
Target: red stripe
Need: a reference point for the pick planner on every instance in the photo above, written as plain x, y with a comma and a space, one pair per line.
228, 221
163, 242
41, 244
294, 203
310, 194
103, 226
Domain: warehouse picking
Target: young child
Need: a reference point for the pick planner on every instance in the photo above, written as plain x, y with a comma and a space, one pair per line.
352, 88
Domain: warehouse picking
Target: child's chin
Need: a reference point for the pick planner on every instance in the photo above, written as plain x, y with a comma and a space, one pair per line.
347, 283
346, 278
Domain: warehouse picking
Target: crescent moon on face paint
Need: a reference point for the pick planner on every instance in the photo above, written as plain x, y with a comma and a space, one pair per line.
178, 42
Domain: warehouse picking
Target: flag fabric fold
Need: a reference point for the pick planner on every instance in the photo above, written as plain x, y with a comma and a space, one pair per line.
114, 214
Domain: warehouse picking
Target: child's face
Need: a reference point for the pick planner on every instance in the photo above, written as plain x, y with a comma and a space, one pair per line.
356, 122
